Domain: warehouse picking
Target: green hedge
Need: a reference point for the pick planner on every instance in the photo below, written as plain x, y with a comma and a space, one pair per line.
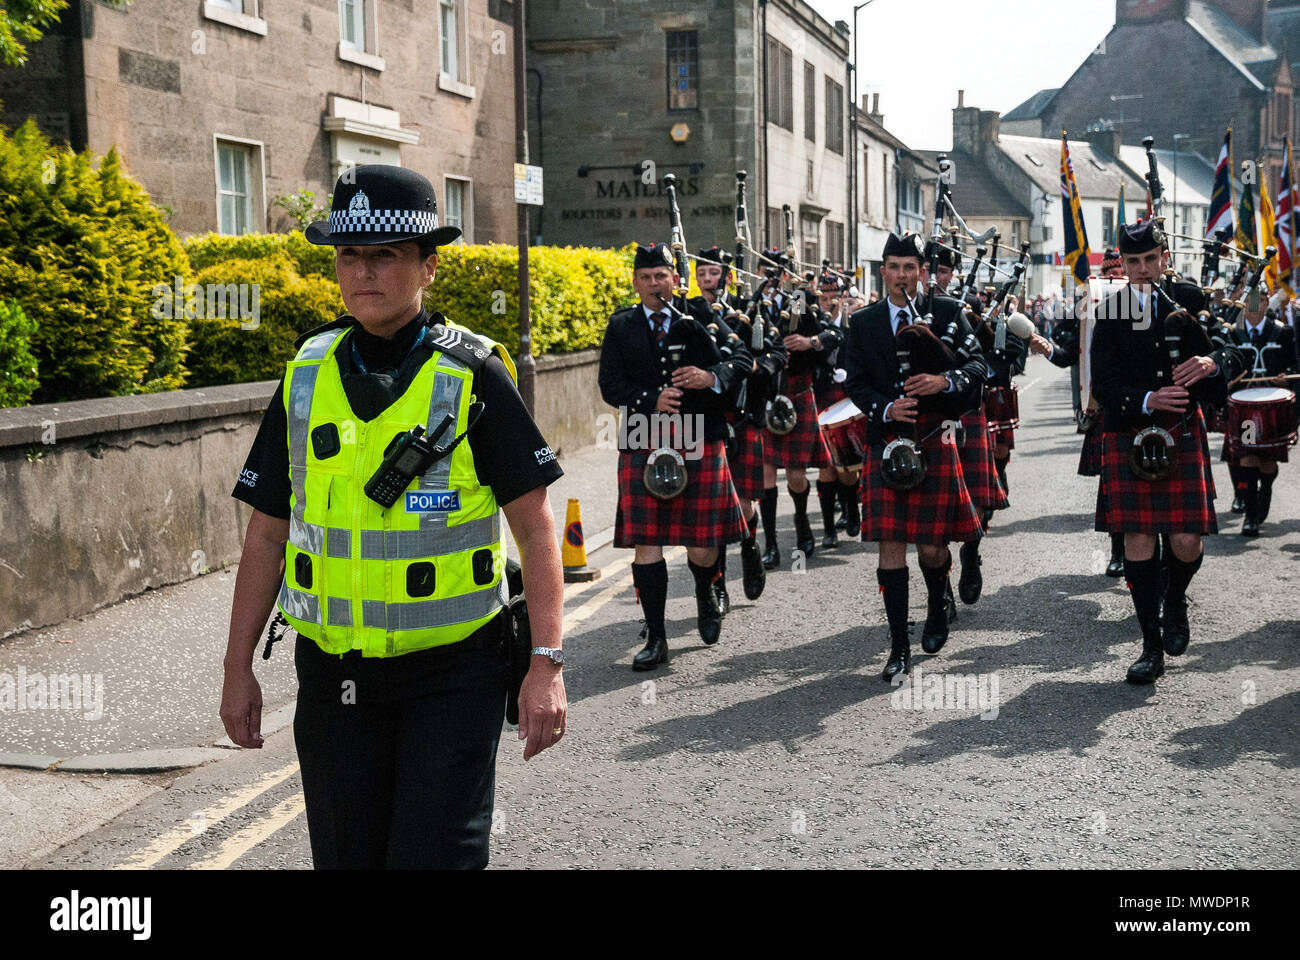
233, 349
81, 248
17, 365
207, 249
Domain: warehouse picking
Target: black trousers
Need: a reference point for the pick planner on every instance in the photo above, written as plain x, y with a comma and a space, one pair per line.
399, 754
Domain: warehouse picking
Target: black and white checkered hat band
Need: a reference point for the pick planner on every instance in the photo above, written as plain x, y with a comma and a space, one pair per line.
384, 221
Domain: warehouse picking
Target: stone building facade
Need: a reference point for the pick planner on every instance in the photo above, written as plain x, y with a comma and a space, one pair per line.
615, 87
220, 106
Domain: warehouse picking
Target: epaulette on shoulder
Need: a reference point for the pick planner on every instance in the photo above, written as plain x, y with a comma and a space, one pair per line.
457, 341
338, 323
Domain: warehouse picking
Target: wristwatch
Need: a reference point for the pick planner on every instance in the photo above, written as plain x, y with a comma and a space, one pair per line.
554, 654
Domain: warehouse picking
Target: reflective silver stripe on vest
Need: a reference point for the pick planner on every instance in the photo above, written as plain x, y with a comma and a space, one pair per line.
340, 612
424, 614
306, 536
339, 543
418, 544
299, 604
447, 389
301, 387
311, 537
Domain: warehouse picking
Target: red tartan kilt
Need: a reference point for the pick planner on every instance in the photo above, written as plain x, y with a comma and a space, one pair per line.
829, 395
939, 511
746, 460
1090, 456
977, 467
1182, 504
803, 446
706, 514
1002, 408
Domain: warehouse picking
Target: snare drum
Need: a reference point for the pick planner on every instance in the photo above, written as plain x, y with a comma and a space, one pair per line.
845, 430
1261, 421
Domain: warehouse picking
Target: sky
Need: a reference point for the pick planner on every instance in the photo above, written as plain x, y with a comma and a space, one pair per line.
918, 53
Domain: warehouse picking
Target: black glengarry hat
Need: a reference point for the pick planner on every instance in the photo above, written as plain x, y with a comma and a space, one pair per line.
379, 203
713, 254
653, 255
1140, 237
942, 255
908, 245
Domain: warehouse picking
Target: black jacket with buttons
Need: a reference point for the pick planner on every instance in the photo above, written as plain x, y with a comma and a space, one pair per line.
1129, 359
634, 369
870, 359
1276, 349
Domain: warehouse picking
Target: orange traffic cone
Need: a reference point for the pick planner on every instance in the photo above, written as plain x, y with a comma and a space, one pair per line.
573, 549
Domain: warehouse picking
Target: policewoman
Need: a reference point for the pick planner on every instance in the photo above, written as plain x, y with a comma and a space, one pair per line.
398, 608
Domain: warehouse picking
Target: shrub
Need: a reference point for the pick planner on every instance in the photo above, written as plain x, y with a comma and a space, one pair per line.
81, 248
17, 365
231, 350
308, 258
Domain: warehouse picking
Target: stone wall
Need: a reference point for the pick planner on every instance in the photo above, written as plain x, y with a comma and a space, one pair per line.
104, 499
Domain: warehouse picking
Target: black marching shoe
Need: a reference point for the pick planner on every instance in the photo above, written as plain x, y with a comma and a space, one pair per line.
1116, 566
900, 657
720, 596
708, 617
1238, 504
655, 652
1173, 622
803, 535
1263, 501
852, 511
972, 581
771, 555
1249, 527
751, 565
934, 634
1151, 665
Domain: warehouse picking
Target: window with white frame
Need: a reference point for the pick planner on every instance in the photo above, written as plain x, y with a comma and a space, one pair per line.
810, 228
458, 206
234, 187
242, 14
352, 23
449, 31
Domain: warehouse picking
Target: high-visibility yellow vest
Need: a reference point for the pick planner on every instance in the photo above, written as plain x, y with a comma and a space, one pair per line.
422, 573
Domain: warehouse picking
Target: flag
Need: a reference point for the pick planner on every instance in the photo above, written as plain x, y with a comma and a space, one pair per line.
1286, 217
1121, 209
1246, 235
1220, 216
1076, 241
1267, 231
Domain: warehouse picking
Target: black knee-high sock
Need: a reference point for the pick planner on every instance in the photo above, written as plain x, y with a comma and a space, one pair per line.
850, 497
1117, 546
1166, 550
703, 575
1001, 464
1143, 578
827, 491
893, 584
1249, 488
1234, 473
720, 565
1180, 575
1266, 481
651, 581
767, 511
936, 582
800, 501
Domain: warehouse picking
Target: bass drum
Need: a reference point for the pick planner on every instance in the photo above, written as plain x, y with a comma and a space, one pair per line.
845, 429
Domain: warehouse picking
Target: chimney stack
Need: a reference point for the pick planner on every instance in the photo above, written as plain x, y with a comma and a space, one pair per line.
875, 103
961, 99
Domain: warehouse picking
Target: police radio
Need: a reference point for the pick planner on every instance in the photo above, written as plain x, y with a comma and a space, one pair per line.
410, 455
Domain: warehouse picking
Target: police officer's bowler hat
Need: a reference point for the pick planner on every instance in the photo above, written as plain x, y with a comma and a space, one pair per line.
378, 203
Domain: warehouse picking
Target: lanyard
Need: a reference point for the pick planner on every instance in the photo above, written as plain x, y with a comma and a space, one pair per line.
356, 354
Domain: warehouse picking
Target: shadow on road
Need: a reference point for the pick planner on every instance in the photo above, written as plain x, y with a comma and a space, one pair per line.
1268, 729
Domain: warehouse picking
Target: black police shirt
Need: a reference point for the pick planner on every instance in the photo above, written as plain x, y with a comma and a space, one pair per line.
510, 454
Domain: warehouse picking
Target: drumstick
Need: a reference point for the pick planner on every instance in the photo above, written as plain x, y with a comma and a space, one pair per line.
1285, 376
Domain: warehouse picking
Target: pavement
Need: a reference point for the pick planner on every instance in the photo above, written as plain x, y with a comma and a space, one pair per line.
779, 746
